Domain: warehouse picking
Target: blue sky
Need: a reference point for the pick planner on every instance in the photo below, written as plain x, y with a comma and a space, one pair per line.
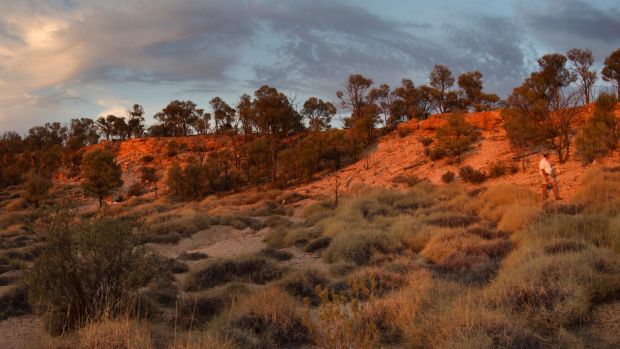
65, 59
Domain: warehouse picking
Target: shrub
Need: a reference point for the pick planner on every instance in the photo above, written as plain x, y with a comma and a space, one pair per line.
436, 154
403, 132
147, 159
35, 187
135, 190
77, 263
100, 174
457, 136
172, 149
497, 169
447, 177
470, 175
247, 269
408, 180
426, 141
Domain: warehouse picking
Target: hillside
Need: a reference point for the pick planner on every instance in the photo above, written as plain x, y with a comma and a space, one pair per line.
395, 156
383, 164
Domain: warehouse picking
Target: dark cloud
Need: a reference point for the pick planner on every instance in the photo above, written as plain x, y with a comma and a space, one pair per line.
577, 19
301, 47
562, 25
495, 46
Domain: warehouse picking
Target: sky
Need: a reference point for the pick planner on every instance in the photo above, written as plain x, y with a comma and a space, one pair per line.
63, 59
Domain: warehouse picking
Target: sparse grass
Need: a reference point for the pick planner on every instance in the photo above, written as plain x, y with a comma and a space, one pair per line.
247, 269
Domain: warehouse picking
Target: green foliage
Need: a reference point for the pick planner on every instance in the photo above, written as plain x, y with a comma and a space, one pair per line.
611, 71
86, 271
178, 117
314, 153
457, 136
600, 134
319, 113
100, 174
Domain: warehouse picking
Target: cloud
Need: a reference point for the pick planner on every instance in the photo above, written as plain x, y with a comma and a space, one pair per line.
563, 24
59, 58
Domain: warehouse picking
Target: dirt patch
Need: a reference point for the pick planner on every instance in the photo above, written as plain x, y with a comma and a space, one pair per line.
21, 332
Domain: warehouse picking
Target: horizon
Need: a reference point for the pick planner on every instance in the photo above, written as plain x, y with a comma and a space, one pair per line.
73, 59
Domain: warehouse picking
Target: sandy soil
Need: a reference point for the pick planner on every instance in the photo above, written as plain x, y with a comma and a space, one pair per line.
20, 332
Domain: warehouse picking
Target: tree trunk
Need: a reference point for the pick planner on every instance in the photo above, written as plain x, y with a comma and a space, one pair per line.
100, 201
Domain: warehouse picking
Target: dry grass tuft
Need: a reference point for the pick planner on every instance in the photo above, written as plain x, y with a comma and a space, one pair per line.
259, 322
556, 290
467, 253
115, 334
516, 217
302, 284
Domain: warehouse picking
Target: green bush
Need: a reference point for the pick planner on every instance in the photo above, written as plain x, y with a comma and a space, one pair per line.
86, 271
